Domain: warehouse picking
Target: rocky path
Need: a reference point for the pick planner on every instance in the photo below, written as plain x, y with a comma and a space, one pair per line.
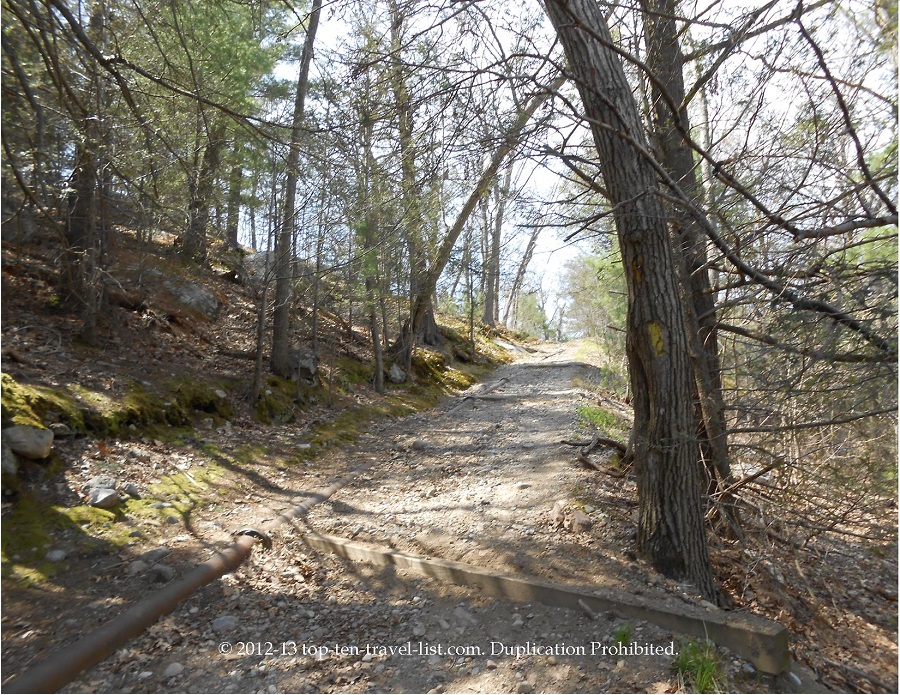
485, 481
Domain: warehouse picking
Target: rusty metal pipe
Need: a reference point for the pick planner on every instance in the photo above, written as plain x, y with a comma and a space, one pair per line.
64, 665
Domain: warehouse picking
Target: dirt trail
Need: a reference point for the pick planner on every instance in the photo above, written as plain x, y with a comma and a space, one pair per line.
474, 481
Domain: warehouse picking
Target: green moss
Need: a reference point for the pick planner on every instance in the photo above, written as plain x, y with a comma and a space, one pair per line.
28, 405
32, 527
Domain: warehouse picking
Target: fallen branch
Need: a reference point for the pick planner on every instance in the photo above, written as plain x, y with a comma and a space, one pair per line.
596, 441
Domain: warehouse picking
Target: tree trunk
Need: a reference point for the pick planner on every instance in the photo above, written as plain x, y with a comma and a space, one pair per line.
194, 243
280, 361
520, 275
671, 531
422, 303
492, 264
235, 185
664, 58
82, 240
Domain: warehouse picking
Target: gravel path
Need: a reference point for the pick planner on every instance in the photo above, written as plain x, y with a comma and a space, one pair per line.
484, 481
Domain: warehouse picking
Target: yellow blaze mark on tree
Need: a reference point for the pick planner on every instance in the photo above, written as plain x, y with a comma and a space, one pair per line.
656, 338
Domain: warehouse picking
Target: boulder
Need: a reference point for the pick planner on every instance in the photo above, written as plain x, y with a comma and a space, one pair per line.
396, 375
307, 364
194, 296
30, 442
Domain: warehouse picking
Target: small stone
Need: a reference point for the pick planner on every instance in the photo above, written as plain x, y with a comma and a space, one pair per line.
620, 664
103, 498
61, 430
524, 687
444, 625
55, 555
367, 657
396, 375
144, 675
101, 482
172, 519
132, 491
517, 620
580, 522
172, 670
418, 630
161, 573
136, 567
491, 664
224, 623
160, 505
748, 669
156, 554
708, 605
552, 660
221, 394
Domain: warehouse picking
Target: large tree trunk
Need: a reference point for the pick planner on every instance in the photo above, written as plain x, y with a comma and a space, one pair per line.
281, 363
671, 531
664, 58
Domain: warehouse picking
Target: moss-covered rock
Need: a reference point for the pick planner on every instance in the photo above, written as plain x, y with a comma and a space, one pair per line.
24, 404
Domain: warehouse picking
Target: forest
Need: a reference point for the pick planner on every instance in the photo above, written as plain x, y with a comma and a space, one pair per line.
308, 213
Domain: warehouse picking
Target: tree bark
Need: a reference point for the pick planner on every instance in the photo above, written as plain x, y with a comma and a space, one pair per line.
232, 218
492, 264
664, 58
194, 244
280, 361
671, 530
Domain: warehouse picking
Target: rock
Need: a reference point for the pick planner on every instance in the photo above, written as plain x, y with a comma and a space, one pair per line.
103, 498
30, 442
224, 623
580, 521
491, 664
132, 491
524, 687
194, 296
136, 567
55, 555
517, 621
172, 670
172, 519
61, 430
418, 630
420, 445
101, 482
558, 513
144, 675
307, 364
396, 375
220, 393
10, 463
161, 573
155, 555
